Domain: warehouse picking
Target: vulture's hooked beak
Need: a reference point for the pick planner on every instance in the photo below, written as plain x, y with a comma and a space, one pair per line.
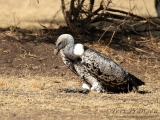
56, 51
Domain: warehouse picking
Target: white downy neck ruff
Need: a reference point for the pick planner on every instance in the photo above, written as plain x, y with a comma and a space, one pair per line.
78, 49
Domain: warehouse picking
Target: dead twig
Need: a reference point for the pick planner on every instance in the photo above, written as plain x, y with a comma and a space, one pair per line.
111, 38
42, 25
103, 34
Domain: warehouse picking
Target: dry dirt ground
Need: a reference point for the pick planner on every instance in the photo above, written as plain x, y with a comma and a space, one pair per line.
30, 76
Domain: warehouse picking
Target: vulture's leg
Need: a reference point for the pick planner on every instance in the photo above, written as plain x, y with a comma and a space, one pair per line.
88, 81
94, 84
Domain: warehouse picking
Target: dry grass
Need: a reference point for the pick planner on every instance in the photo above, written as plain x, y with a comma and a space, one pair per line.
26, 102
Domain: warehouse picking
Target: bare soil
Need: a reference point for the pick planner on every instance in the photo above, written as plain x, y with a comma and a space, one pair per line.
30, 76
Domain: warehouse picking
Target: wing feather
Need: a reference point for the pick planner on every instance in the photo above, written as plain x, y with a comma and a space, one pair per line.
103, 68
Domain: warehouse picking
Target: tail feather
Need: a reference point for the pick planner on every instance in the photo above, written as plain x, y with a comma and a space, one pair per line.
138, 81
135, 82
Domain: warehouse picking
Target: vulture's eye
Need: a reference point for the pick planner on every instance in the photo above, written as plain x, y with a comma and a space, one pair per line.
59, 44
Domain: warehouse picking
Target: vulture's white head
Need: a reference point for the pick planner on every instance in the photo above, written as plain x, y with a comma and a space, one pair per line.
62, 41
66, 39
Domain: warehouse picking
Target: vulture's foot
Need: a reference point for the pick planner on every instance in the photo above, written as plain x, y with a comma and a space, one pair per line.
99, 88
74, 90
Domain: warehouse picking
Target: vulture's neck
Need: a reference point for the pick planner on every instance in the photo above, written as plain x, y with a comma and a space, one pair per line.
74, 51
